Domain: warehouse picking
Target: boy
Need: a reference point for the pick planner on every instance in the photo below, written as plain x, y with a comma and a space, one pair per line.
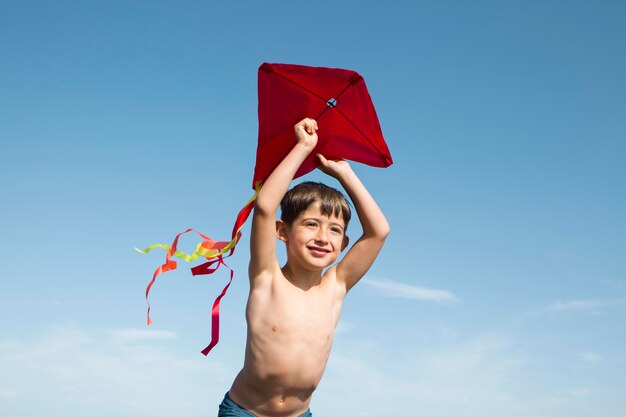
292, 311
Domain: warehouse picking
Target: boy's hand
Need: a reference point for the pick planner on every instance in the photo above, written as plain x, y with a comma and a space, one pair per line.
333, 168
306, 132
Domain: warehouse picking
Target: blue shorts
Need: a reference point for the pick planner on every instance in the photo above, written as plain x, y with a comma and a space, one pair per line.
229, 408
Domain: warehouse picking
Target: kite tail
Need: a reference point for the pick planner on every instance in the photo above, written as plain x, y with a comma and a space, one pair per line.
214, 252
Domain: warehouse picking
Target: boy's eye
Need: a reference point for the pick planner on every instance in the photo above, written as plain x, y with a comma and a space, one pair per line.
336, 229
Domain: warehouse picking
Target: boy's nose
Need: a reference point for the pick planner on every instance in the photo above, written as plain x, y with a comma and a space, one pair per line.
321, 237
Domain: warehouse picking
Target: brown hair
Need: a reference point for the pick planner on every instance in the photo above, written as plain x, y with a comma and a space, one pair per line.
300, 197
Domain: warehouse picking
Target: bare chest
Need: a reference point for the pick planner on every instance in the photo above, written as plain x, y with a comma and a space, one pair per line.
290, 331
289, 313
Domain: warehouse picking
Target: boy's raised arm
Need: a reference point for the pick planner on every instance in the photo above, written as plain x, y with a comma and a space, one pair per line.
375, 226
263, 233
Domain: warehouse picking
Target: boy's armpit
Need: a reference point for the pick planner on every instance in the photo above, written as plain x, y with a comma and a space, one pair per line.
358, 260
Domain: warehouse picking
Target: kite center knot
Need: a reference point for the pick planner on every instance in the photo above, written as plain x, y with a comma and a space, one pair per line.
332, 102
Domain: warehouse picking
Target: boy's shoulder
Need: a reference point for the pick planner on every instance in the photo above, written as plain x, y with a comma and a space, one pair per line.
281, 290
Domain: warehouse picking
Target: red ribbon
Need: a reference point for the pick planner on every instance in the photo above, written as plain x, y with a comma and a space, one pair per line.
207, 268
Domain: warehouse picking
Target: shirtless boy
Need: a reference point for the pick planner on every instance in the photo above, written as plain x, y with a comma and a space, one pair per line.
293, 310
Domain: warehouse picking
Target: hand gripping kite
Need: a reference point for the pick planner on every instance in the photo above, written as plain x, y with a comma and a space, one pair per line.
348, 129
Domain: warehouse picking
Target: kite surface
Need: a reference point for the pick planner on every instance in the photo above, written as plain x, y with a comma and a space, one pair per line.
337, 98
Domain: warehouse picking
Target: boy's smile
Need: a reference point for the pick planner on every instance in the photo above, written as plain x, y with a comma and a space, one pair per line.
318, 251
313, 240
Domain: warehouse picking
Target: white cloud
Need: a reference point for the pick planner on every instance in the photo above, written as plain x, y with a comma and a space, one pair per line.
613, 284
590, 357
579, 306
8, 392
590, 306
574, 305
580, 392
487, 375
389, 288
470, 378
138, 335
68, 370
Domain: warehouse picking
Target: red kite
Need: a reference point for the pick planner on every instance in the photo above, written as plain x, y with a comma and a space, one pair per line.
337, 98
348, 129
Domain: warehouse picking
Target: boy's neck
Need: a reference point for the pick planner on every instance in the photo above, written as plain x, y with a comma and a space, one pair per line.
302, 278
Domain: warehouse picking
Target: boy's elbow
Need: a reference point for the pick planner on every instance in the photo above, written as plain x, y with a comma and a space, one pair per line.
382, 230
263, 207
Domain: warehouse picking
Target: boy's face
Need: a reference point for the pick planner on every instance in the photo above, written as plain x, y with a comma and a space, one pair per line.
313, 239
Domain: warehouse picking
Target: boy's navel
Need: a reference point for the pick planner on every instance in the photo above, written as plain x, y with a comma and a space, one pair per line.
274, 328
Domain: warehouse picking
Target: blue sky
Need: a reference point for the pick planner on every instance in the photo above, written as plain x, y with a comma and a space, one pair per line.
501, 286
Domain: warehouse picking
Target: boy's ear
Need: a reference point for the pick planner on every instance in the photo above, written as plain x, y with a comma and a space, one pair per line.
281, 230
346, 241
